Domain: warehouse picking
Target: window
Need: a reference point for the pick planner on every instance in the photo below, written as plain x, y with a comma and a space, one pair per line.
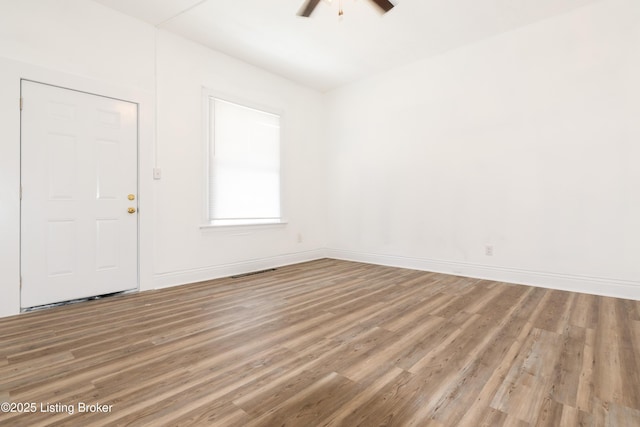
244, 164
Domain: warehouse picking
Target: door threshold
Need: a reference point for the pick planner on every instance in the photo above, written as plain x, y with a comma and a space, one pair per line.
74, 301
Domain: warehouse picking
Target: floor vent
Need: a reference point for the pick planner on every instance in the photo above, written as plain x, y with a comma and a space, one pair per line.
252, 273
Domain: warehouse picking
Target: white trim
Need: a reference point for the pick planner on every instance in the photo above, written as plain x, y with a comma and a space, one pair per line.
231, 227
208, 92
207, 95
29, 81
11, 73
206, 149
574, 283
181, 277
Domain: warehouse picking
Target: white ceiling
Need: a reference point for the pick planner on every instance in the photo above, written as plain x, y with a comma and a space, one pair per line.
324, 51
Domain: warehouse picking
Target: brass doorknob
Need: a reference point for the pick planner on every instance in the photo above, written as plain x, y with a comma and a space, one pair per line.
131, 210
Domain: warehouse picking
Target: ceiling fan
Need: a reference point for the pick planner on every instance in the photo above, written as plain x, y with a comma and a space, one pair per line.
310, 6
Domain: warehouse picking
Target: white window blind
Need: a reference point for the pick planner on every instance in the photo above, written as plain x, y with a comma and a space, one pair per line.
244, 164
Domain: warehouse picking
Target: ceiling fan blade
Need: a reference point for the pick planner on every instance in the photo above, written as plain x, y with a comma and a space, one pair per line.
385, 5
308, 8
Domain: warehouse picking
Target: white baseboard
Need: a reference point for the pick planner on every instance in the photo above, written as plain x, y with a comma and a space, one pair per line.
174, 278
574, 283
585, 284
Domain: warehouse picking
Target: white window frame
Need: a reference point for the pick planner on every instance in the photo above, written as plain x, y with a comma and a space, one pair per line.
207, 95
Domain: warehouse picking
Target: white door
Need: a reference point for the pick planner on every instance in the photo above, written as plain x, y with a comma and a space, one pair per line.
79, 237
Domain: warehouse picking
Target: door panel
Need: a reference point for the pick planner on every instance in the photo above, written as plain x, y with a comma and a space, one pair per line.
78, 165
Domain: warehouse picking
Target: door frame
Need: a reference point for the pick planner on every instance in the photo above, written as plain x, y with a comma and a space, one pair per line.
140, 92
138, 187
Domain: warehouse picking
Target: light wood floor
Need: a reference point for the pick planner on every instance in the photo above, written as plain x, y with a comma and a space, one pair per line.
330, 343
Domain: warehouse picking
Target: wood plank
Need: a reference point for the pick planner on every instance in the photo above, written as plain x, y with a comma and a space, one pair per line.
337, 418
550, 413
556, 312
628, 356
330, 343
568, 367
585, 391
608, 369
584, 312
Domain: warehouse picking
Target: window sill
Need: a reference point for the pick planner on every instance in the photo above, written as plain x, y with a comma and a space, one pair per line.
232, 227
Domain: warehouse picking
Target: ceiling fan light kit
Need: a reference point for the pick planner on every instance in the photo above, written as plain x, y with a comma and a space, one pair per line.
310, 5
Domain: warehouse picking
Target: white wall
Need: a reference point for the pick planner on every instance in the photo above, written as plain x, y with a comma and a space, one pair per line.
9, 192
83, 45
528, 141
184, 251
80, 38
76, 44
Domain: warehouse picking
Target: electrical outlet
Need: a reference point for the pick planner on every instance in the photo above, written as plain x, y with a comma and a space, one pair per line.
299, 237
157, 173
488, 250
